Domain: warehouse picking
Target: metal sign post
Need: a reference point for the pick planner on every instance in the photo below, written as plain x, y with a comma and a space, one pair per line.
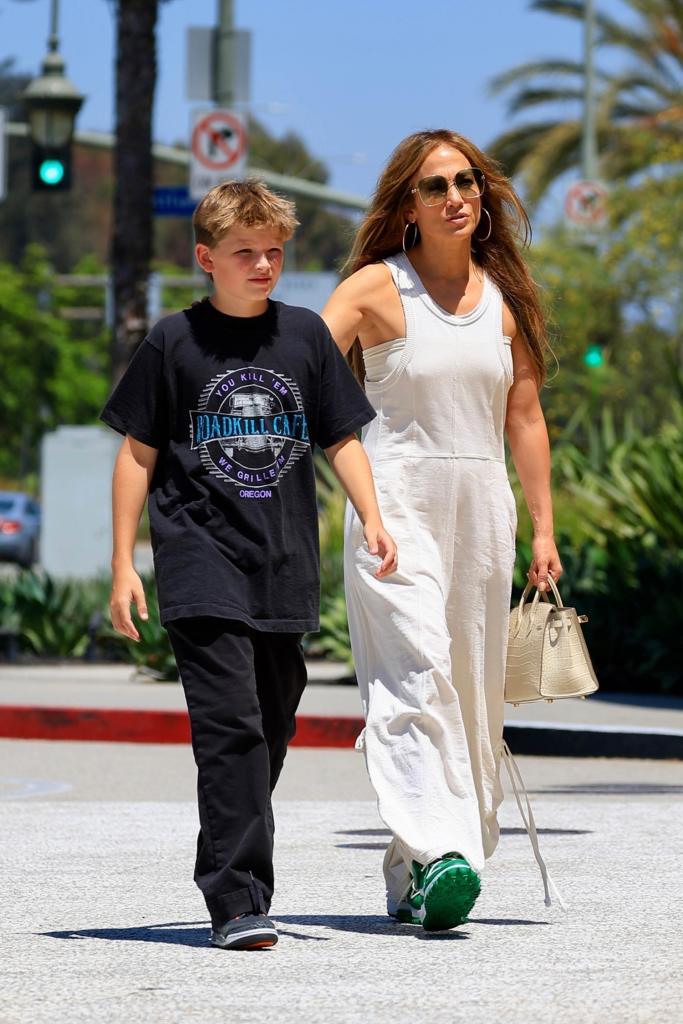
3, 154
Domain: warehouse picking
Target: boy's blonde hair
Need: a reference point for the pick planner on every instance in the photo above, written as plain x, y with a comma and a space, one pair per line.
247, 203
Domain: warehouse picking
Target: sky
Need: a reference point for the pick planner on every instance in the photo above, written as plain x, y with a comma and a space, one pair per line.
351, 78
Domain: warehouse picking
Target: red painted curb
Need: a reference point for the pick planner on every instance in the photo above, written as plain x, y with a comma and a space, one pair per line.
324, 731
122, 725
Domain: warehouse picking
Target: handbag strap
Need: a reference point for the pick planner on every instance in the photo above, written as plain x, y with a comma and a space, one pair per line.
544, 594
516, 779
534, 604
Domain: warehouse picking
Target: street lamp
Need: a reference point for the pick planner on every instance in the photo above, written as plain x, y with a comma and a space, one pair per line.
52, 102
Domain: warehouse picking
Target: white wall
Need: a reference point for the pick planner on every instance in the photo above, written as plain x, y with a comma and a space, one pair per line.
306, 288
76, 469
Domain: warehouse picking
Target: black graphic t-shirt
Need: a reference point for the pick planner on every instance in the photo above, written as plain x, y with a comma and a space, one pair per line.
235, 406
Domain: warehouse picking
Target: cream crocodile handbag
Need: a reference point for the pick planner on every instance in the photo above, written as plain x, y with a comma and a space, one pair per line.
547, 657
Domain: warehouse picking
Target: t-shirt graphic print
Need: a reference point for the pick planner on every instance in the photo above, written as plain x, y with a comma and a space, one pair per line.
235, 407
250, 428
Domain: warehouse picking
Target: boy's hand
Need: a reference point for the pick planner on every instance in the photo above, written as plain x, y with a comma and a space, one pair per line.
127, 587
380, 543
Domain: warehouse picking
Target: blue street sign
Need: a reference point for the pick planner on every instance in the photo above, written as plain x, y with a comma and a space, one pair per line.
172, 201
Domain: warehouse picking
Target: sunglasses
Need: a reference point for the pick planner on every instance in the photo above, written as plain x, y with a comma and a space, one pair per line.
433, 190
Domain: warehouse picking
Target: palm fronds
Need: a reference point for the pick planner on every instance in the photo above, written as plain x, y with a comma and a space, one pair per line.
639, 108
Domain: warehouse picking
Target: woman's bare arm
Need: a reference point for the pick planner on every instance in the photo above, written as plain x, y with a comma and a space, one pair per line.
528, 438
366, 306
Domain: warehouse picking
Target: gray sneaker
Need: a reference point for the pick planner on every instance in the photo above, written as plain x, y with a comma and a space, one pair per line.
248, 931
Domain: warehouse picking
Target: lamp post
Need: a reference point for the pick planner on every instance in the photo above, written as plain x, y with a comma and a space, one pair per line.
52, 102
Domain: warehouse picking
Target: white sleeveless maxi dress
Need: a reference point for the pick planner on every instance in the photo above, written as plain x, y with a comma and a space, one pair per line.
429, 642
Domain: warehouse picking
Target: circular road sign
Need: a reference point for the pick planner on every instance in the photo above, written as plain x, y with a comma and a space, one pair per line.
586, 204
219, 140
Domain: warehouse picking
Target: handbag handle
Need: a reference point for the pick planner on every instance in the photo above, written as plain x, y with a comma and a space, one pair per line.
539, 594
544, 594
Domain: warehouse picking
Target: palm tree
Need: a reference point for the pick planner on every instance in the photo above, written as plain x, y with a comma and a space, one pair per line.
131, 241
639, 112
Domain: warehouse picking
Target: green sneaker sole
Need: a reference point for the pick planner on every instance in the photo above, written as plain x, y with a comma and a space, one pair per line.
450, 898
406, 917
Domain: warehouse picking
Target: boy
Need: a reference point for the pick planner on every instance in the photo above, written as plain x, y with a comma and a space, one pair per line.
221, 407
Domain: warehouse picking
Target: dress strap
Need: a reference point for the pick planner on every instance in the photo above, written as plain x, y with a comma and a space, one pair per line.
400, 272
495, 309
405, 286
516, 781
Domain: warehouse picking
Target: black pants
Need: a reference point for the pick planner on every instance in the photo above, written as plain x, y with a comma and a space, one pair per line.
242, 689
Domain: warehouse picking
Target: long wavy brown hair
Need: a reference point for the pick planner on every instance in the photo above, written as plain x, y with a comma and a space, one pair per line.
381, 234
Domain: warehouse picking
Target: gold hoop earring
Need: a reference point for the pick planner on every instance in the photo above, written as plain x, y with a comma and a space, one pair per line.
415, 238
485, 237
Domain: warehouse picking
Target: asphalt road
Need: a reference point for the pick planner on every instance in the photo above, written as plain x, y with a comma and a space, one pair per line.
101, 920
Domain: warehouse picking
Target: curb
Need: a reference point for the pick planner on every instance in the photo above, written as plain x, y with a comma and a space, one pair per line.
548, 739
119, 725
122, 725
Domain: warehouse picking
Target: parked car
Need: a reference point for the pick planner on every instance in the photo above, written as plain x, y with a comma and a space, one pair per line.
19, 528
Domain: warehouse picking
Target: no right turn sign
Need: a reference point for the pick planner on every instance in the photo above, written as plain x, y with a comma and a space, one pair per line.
219, 150
586, 204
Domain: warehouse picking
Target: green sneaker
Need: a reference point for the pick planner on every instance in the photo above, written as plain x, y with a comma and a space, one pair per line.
448, 888
407, 910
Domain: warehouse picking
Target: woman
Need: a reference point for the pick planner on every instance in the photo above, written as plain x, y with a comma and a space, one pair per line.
442, 319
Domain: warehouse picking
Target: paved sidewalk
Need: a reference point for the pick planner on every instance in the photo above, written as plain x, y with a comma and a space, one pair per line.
330, 712
104, 923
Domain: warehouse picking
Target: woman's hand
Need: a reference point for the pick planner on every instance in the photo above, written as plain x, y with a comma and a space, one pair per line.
127, 587
380, 543
545, 562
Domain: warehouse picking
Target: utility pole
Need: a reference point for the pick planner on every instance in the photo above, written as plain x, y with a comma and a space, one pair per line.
589, 146
224, 63
586, 202
594, 201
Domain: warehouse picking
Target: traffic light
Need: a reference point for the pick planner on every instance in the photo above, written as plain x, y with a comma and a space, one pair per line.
51, 168
594, 356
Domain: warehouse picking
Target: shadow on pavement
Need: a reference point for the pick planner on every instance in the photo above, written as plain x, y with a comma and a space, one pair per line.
186, 933
503, 832
175, 933
370, 924
548, 831
361, 846
613, 788
503, 921
364, 832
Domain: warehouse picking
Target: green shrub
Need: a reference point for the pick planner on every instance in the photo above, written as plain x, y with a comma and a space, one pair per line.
333, 640
52, 618
619, 527
331, 505
70, 619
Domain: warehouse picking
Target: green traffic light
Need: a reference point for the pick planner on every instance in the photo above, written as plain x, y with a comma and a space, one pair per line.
593, 356
51, 172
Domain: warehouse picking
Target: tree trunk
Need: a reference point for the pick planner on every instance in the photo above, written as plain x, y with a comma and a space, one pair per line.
131, 243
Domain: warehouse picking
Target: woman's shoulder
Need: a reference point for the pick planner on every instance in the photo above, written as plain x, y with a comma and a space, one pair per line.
373, 273
366, 283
